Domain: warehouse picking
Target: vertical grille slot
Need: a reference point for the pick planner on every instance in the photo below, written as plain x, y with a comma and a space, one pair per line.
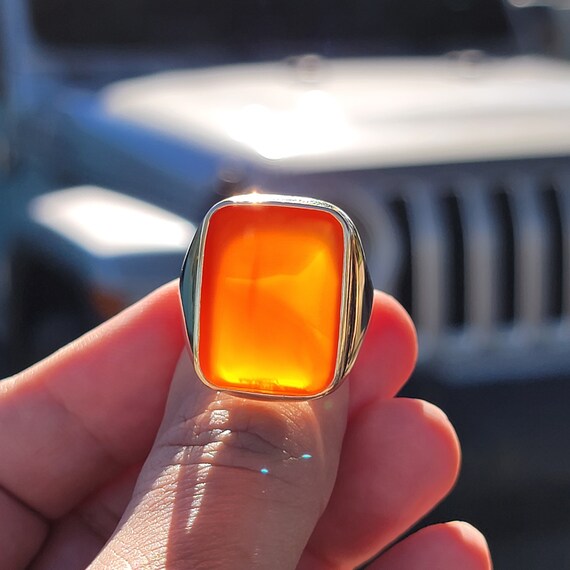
404, 282
506, 254
563, 187
456, 260
555, 269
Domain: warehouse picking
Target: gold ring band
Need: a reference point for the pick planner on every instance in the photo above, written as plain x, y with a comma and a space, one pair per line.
276, 296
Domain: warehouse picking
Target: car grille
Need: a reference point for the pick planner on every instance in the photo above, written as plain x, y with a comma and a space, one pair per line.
484, 257
485, 261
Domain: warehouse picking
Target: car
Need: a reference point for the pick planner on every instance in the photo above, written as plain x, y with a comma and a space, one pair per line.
447, 146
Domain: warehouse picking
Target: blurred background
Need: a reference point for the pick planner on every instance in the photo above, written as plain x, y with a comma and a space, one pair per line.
441, 127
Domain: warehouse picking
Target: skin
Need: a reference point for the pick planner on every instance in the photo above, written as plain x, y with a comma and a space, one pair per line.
115, 455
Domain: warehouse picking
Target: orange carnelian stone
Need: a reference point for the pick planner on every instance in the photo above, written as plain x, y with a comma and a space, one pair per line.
270, 300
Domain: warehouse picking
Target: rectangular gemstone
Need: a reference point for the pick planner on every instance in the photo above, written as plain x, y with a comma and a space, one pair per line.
270, 299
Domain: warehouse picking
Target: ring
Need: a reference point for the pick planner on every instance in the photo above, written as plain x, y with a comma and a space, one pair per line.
276, 296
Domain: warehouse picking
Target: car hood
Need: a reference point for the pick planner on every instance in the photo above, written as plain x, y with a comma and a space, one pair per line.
359, 113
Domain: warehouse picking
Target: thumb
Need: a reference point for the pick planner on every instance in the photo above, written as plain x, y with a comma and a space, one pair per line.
230, 482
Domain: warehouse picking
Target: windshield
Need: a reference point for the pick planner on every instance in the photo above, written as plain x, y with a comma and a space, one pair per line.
252, 30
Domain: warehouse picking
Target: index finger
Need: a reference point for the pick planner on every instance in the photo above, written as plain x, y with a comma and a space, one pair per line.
74, 420
388, 354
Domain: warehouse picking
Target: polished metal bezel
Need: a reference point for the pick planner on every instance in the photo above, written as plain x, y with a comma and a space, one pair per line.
356, 288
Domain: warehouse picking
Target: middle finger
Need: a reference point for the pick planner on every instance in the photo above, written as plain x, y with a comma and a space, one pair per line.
400, 457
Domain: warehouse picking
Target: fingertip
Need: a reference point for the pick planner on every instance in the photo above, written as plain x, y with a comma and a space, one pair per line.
390, 317
474, 542
458, 542
163, 304
168, 293
392, 309
157, 317
388, 354
444, 431
445, 546
437, 435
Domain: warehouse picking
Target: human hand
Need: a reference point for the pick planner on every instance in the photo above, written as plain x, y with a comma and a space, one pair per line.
228, 482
